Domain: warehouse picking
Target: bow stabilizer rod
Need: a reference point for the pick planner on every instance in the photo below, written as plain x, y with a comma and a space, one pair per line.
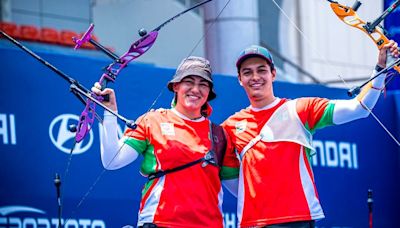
77, 89
37, 57
87, 37
356, 89
370, 27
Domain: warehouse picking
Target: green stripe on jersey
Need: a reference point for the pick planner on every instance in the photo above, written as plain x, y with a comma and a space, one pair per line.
146, 187
147, 150
149, 162
326, 119
139, 145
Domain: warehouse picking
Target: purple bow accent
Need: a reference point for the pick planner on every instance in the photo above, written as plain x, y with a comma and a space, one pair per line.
137, 49
85, 37
86, 120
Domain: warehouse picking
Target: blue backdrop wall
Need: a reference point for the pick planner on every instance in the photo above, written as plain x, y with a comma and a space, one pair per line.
37, 107
392, 27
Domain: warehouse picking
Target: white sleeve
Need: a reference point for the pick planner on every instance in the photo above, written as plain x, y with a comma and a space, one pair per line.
232, 186
349, 110
115, 153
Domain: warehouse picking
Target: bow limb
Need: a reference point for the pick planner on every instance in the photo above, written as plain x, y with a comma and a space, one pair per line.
350, 17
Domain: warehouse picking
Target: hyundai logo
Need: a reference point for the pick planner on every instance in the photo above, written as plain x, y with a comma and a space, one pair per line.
63, 139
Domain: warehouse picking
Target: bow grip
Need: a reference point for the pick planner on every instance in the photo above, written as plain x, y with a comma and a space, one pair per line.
103, 83
390, 58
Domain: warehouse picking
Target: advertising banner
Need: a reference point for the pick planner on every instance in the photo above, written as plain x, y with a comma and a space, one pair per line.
37, 108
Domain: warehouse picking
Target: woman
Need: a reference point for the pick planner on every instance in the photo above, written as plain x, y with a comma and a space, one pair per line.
181, 162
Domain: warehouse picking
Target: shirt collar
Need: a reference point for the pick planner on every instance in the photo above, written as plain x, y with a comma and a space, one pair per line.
268, 106
202, 118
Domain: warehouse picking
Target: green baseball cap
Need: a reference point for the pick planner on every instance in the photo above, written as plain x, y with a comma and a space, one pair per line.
254, 51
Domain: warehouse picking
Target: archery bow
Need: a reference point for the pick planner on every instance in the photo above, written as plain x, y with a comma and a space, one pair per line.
87, 116
349, 13
349, 16
79, 91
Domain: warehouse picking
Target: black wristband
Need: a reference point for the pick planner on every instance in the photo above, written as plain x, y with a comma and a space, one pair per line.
378, 68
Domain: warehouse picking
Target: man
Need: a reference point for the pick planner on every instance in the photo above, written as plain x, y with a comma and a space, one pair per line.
273, 139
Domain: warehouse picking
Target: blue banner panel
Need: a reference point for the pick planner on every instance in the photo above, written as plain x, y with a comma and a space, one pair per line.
392, 22
35, 143
392, 26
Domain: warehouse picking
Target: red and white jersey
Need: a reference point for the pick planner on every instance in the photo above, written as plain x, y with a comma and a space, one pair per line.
191, 197
276, 183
